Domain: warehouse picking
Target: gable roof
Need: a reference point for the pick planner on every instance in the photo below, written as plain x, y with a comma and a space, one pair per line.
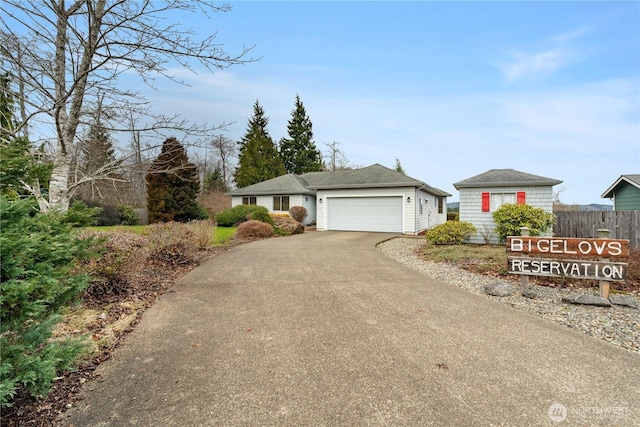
631, 179
505, 178
374, 176
285, 184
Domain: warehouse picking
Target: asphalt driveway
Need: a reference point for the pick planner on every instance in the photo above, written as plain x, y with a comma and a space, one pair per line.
321, 329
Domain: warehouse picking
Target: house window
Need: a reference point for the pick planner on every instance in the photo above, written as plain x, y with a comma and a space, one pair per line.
440, 205
281, 203
249, 200
420, 205
491, 202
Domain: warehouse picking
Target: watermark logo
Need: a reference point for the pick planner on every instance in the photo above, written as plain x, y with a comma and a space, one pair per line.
557, 412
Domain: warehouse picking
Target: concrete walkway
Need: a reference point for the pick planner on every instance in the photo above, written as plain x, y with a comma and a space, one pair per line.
321, 329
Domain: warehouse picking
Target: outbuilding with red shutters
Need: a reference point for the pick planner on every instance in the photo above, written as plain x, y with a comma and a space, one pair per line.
483, 194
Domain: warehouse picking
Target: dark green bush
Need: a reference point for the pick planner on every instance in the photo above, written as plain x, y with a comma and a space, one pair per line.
81, 215
510, 218
237, 214
450, 233
39, 253
128, 215
262, 216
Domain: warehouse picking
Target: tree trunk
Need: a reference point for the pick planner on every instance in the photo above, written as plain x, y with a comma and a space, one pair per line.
59, 185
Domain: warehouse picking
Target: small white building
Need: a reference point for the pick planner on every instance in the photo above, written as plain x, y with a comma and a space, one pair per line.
483, 194
374, 198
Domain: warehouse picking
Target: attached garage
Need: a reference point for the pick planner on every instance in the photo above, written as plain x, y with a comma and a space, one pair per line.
381, 214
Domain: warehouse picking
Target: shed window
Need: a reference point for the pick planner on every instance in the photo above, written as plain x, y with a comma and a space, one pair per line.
420, 205
440, 205
491, 202
281, 203
249, 200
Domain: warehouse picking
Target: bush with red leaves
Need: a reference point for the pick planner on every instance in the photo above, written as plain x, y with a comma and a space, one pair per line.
288, 225
254, 228
299, 213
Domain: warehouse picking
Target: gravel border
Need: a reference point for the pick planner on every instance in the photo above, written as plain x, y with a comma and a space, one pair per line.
618, 325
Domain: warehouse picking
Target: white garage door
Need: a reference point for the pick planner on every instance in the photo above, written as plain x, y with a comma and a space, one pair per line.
382, 214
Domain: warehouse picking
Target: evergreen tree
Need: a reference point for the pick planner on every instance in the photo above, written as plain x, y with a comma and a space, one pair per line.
173, 185
19, 163
399, 167
299, 152
259, 159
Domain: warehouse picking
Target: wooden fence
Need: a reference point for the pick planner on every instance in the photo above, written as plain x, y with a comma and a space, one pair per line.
621, 224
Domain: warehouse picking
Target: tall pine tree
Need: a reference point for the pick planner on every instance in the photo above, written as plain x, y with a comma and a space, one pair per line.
259, 159
173, 185
299, 153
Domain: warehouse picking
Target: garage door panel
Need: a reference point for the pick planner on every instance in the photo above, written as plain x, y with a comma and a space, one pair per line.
382, 214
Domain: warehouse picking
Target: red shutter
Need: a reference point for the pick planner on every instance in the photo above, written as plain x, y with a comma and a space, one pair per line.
486, 197
521, 197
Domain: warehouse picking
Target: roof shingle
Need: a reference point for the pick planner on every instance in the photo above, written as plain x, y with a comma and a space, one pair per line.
505, 178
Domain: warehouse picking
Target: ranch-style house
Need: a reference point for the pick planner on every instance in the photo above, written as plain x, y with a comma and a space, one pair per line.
374, 198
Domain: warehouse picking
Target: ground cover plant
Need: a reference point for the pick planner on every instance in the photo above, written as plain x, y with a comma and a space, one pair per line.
37, 281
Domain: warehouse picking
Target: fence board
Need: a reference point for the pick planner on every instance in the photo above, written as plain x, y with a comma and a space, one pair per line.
621, 224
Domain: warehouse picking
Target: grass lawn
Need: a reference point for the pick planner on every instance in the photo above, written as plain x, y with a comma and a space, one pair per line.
138, 229
221, 235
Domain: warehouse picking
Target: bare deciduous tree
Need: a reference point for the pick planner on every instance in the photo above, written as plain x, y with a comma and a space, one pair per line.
336, 159
64, 54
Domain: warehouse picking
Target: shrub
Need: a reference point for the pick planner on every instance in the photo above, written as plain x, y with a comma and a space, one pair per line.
81, 215
128, 215
202, 230
510, 218
254, 228
122, 255
299, 213
287, 226
450, 233
172, 243
236, 215
37, 281
262, 216
173, 186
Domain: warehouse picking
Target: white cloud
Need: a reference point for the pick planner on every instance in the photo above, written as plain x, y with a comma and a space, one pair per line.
541, 63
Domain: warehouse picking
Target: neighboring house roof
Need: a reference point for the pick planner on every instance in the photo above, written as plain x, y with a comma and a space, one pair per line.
505, 178
631, 179
374, 176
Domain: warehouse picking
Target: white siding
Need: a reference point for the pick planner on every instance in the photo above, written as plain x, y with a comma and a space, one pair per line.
409, 212
307, 201
471, 207
379, 213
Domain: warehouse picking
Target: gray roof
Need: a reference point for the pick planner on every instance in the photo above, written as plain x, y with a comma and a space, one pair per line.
631, 179
285, 184
505, 178
374, 176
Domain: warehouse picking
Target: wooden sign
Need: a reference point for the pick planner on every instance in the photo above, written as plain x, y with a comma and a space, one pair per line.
565, 246
579, 269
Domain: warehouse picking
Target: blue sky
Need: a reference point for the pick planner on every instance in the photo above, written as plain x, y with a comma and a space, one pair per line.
451, 89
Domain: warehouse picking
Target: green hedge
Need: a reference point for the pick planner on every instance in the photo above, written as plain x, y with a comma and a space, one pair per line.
238, 214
